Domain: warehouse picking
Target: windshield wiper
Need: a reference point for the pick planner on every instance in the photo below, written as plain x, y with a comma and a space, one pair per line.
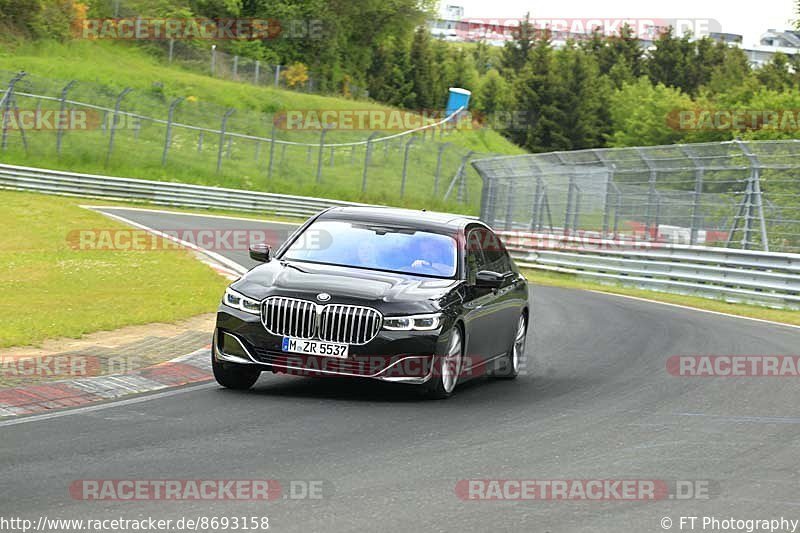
287, 262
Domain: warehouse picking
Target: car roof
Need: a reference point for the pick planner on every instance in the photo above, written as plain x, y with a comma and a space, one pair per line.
394, 216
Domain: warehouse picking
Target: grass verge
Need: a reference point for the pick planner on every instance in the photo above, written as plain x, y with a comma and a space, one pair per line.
571, 281
52, 290
245, 163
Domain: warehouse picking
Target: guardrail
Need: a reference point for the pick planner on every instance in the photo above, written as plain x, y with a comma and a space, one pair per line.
159, 192
756, 277
762, 278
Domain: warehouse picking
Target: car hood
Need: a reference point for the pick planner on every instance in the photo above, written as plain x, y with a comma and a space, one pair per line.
342, 283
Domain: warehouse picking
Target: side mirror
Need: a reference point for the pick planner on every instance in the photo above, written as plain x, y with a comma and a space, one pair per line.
260, 252
488, 279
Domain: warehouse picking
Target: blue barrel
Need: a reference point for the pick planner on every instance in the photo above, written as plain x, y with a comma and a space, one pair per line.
458, 98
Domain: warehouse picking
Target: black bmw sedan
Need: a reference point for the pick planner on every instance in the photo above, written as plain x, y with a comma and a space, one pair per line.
404, 296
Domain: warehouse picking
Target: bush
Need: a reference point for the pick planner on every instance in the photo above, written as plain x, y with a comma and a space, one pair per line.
41, 19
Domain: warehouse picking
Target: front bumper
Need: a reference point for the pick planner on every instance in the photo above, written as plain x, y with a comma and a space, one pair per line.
394, 356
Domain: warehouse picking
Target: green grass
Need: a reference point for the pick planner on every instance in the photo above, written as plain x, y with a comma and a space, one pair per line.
51, 290
571, 281
103, 69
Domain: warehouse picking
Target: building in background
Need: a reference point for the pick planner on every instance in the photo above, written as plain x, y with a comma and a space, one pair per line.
453, 25
731, 39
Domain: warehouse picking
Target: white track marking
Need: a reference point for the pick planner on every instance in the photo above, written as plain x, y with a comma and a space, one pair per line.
696, 309
108, 405
227, 217
221, 259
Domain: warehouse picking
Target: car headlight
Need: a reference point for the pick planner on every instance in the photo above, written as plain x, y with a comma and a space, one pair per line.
412, 323
241, 302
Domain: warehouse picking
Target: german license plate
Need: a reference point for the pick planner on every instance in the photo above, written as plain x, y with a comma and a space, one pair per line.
311, 347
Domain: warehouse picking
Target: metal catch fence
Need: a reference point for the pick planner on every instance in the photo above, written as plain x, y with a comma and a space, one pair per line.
137, 132
733, 194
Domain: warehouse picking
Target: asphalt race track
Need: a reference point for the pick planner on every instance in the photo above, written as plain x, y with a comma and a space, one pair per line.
596, 403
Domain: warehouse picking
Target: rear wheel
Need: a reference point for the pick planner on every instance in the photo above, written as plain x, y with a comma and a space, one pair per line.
448, 368
508, 367
234, 376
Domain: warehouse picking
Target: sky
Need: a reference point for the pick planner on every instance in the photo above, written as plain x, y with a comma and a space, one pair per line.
746, 18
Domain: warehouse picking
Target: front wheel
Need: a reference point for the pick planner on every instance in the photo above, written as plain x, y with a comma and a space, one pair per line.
448, 368
233, 376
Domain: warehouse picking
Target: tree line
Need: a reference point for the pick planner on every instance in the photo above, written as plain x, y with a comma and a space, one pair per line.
600, 90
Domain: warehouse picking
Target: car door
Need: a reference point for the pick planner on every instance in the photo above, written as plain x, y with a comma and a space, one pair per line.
480, 304
509, 300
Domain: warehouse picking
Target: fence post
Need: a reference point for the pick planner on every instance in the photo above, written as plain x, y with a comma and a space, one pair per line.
576, 209
114, 119
536, 194
319, 156
459, 175
405, 166
6, 107
462, 195
277, 75
213, 59
62, 110
607, 201
651, 194
753, 198
168, 137
509, 223
540, 208
438, 174
760, 204
610, 169
227, 114
568, 207
698, 191
367, 156
657, 217
171, 49
486, 195
545, 208
617, 209
235, 67
257, 72
271, 151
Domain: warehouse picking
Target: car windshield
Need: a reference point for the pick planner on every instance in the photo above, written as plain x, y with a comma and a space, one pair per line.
374, 246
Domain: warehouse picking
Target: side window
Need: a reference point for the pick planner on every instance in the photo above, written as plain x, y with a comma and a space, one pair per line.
475, 259
495, 255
